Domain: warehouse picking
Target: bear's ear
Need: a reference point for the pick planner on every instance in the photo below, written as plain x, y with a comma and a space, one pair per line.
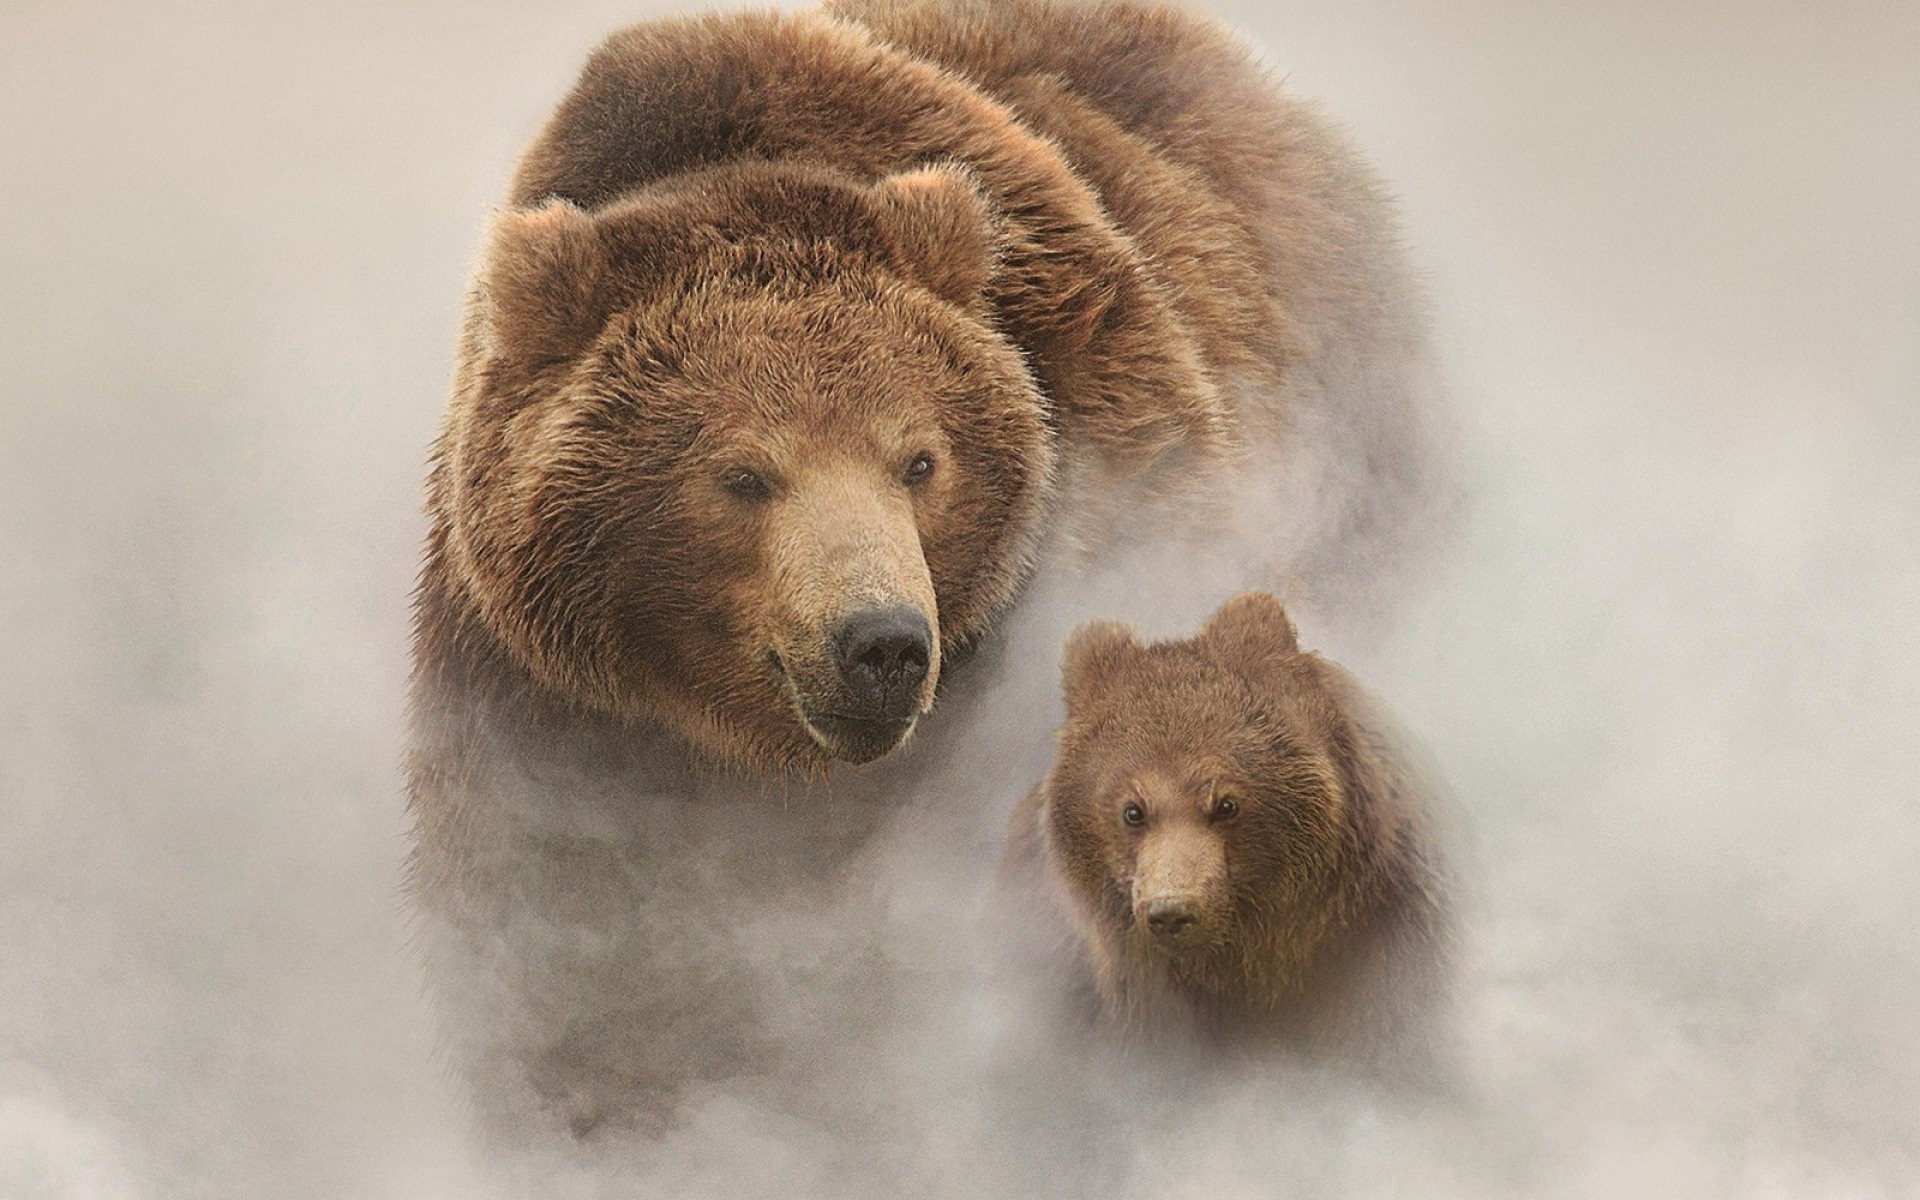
1250, 630
547, 281
941, 230
1091, 654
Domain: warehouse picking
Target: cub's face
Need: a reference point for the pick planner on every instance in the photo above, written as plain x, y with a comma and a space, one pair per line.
1193, 791
779, 475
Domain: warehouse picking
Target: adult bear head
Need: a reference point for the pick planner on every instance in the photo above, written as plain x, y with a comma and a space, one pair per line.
743, 453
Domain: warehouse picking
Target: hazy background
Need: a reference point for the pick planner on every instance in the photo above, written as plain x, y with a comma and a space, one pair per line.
1672, 670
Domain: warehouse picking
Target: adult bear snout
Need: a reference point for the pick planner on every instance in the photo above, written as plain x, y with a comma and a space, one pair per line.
883, 655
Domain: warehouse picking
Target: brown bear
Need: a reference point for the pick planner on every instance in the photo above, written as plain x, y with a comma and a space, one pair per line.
803, 338
1233, 844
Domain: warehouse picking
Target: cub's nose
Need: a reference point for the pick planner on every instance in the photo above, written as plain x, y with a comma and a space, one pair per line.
1172, 917
882, 655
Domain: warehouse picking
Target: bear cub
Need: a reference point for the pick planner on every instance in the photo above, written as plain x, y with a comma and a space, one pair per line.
1234, 847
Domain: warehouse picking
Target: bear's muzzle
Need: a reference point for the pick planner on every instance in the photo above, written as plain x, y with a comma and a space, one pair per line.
882, 656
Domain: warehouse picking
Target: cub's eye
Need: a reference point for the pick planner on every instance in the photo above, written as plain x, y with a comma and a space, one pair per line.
746, 485
1224, 808
918, 470
1134, 815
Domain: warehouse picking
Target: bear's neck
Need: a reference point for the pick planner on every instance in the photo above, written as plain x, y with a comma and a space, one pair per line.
500, 765
496, 756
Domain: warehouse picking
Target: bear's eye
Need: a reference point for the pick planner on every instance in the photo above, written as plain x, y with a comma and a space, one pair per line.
1224, 808
746, 485
918, 470
1134, 815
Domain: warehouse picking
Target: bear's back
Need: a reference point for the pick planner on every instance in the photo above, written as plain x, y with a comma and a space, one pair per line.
1182, 86
1167, 117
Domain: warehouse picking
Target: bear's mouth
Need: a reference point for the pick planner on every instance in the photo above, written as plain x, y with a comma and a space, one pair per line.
845, 736
855, 739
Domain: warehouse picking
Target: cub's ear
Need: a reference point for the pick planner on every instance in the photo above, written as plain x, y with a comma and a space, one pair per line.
547, 281
1250, 630
1091, 656
941, 229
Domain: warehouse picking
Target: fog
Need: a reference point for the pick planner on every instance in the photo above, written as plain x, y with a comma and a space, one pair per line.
1669, 665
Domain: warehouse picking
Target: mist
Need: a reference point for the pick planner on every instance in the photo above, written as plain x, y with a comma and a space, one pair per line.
1668, 663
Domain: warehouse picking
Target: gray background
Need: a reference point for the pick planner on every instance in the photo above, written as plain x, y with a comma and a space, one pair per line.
1671, 668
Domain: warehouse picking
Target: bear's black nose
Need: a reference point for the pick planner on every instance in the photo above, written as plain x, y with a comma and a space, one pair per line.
882, 654
1171, 917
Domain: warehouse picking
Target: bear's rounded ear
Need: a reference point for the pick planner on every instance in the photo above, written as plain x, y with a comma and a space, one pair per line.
1250, 630
1089, 658
941, 230
547, 281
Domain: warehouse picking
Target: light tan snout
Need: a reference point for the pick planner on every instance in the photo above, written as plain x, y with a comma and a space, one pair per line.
1179, 881
857, 629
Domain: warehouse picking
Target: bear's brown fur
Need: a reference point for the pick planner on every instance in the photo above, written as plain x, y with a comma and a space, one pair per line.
789, 244
802, 321
1233, 843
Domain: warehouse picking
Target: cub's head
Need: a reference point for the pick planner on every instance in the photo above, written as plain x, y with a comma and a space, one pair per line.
743, 453
1195, 791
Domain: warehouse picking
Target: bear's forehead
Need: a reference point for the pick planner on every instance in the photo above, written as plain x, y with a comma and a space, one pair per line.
1173, 744
1183, 713
848, 311
1186, 694
1174, 778
766, 359
812, 427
